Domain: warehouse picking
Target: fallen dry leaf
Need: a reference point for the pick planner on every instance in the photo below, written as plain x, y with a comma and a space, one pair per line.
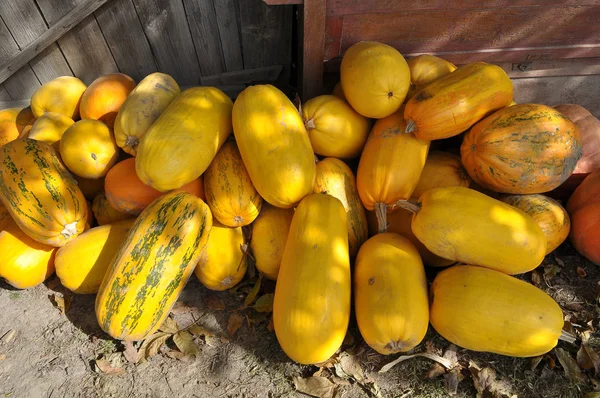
63, 303
183, 308
315, 386
435, 370
214, 302
235, 321
270, 326
551, 361
536, 278
550, 271
559, 261
185, 342
348, 366
581, 272
264, 303
105, 367
253, 292
151, 345
130, 353
198, 330
339, 381
215, 341
569, 365
174, 354
8, 337
593, 394
441, 360
254, 318
169, 326
487, 383
588, 358
451, 381
536, 361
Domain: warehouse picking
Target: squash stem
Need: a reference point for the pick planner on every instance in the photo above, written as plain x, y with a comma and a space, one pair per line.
310, 124
381, 213
409, 205
411, 127
70, 230
566, 336
132, 141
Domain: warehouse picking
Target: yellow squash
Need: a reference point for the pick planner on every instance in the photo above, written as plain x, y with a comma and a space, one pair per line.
104, 213
464, 225
60, 95
50, 128
222, 263
15, 123
375, 78
334, 128
269, 235
228, 188
390, 294
90, 187
552, 218
142, 107
426, 68
485, 310
311, 309
338, 91
453, 103
25, 262
335, 178
181, 143
442, 169
274, 145
82, 263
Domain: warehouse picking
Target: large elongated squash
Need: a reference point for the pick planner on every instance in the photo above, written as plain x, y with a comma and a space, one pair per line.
274, 145
40, 194
222, 263
390, 294
525, 148
485, 310
442, 169
390, 166
311, 309
269, 235
228, 188
82, 263
152, 266
181, 143
335, 178
464, 225
453, 103
426, 68
25, 262
142, 107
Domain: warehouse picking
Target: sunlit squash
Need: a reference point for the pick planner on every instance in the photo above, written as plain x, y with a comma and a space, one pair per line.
274, 145
88, 149
426, 68
82, 263
453, 103
222, 263
335, 178
390, 294
525, 148
587, 192
390, 166
228, 188
180, 145
442, 169
334, 128
142, 107
60, 95
90, 188
464, 225
311, 308
50, 128
269, 235
40, 194
25, 262
375, 78
338, 91
485, 310
152, 266
104, 213
125, 191
104, 96
552, 218
13, 121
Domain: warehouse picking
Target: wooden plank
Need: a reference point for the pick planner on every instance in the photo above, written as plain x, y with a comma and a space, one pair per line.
229, 33
4, 95
126, 39
247, 76
283, 2
170, 39
26, 24
83, 45
202, 20
333, 37
313, 45
553, 67
14, 104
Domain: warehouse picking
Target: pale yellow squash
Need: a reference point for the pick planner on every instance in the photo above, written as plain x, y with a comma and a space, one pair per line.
60, 95
49, 128
442, 169
426, 68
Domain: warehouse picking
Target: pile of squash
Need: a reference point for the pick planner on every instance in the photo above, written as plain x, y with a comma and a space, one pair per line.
126, 190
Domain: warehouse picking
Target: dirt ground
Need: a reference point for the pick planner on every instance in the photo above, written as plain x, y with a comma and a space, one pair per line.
45, 353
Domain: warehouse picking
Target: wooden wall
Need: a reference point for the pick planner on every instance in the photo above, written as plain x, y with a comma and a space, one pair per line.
191, 40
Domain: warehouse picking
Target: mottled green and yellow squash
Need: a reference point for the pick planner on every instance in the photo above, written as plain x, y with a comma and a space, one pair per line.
152, 266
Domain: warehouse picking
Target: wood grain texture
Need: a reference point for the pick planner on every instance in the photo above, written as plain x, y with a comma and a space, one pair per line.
83, 46
170, 38
26, 25
313, 45
230, 35
247, 76
553, 67
283, 2
21, 83
4, 95
125, 37
14, 104
335, 28
202, 20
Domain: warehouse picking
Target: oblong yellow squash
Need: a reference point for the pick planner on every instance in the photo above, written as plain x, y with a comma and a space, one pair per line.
229, 192
335, 178
334, 128
181, 143
453, 103
40, 194
269, 235
142, 107
311, 308
390, 294
50, 128
552, 218
442, 169
464, 225
25, 262
152, 266
82, 263
270, 135
426, 68
222, 263
485, 310
60, 95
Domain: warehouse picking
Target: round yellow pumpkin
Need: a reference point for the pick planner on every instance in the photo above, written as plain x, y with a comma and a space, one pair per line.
442, 169
426, 68
50, 128
61, 95
338, 91
13, 123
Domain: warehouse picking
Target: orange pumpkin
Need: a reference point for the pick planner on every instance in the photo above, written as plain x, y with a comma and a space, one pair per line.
12, 123
585, 224
90, 187
104, 97
125, 191
195, 187
586, 193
